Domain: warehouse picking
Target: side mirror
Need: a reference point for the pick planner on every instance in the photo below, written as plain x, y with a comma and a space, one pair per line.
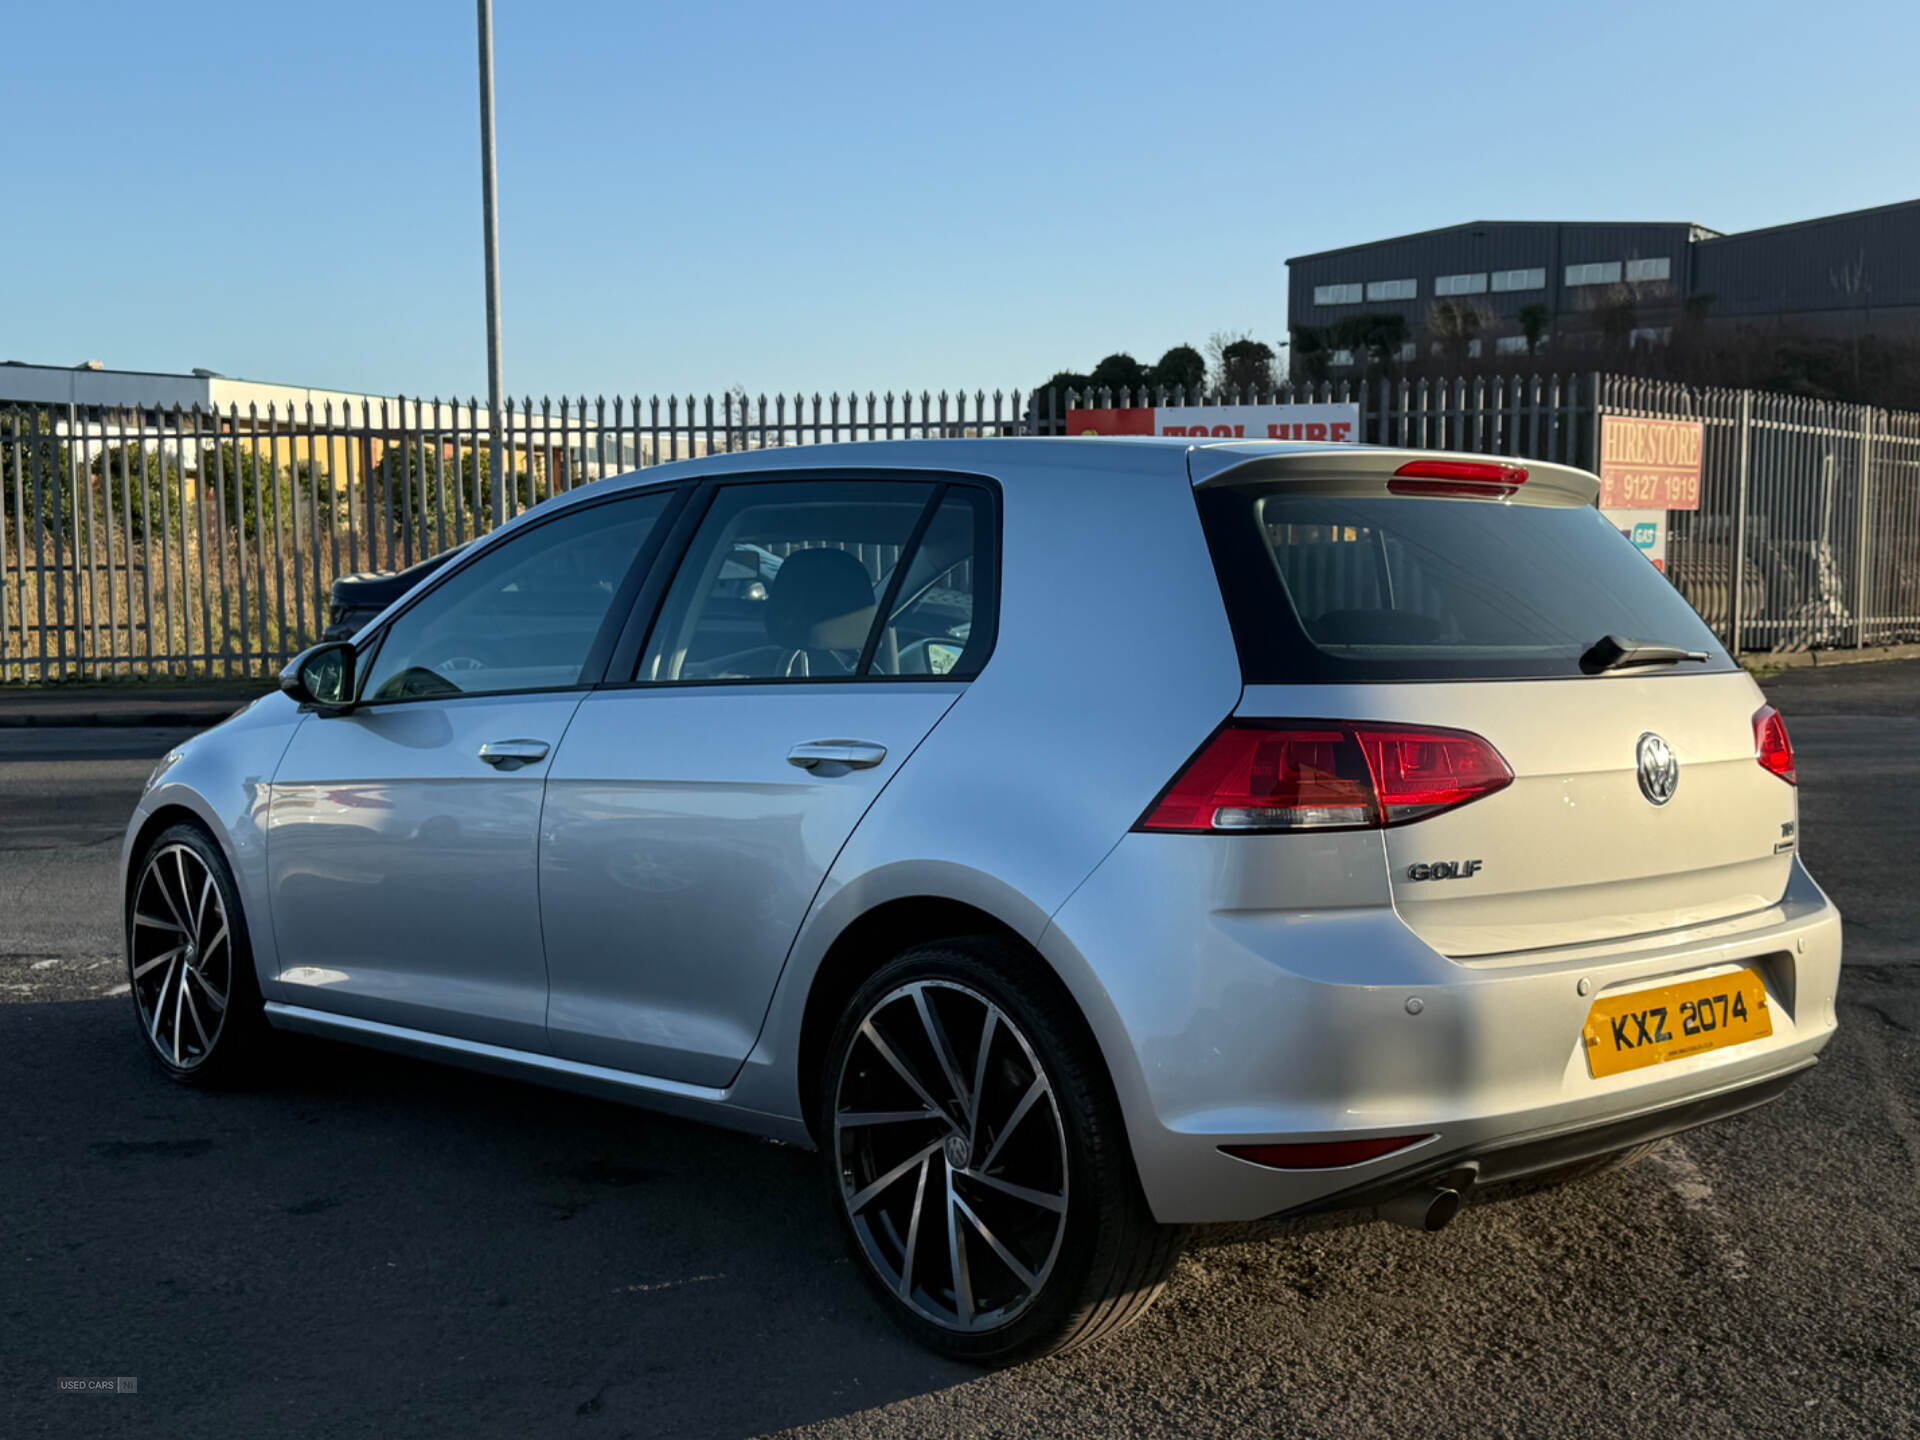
322, 677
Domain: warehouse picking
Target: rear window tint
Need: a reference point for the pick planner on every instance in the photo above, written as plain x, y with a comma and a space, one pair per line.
1337, 588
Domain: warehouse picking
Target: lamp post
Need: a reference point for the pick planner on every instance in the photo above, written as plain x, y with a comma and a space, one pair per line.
496, 460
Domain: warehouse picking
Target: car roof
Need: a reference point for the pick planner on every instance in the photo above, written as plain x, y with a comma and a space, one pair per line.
1005, 458
984, 455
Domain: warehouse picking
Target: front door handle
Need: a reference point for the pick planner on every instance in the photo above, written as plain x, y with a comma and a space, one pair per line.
854, 754
512, 754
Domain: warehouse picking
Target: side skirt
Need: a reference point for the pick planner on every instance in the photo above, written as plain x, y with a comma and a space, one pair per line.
673, 1097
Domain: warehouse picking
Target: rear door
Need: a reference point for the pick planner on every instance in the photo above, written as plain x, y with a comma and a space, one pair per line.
1637, 804
814, 633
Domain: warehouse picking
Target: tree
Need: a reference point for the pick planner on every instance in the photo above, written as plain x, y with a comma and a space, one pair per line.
1312, 353
1456, 325
152, 504
1047, 405
1120, 371
42, 455
1240, 363
418, 477
1182, 369
1533, 323
255, 496
1377, 336
748, 426
1616, 316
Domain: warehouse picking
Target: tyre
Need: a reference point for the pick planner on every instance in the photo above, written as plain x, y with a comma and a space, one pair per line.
189, 966
978, 1162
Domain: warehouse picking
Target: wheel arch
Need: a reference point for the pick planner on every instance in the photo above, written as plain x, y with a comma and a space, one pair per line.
176, 804
862, 946
164, 816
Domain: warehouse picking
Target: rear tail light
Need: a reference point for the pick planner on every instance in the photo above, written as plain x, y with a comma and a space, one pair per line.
1281, 775
1323, 1155
1474, 479
1774, 749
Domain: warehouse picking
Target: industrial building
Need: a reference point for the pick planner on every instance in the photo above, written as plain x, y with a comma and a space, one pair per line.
1518, 288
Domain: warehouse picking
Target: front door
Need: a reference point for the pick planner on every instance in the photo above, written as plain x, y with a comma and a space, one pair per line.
692, 815
403, 835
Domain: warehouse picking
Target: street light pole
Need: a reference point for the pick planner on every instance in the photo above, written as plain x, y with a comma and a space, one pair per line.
496, 460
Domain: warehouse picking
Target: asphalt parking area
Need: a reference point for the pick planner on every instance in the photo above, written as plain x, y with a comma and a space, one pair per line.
373, 1245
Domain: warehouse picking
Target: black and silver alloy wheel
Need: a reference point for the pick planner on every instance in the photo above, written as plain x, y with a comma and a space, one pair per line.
978, 1160
181, 955
952, 1156
188, 962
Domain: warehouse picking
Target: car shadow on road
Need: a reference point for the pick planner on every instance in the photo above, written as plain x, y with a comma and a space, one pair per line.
378, 1243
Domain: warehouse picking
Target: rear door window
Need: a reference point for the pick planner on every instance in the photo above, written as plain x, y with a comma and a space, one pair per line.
825, 580
1334, 588
930, 622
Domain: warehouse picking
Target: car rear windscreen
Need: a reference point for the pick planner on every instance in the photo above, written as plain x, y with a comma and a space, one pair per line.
1330, 588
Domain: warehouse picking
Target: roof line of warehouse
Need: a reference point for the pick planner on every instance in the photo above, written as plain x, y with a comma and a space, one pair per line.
1816, 220
1707, 234
1481, 224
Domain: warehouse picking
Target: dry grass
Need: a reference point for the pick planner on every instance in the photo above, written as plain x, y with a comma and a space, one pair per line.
226, 606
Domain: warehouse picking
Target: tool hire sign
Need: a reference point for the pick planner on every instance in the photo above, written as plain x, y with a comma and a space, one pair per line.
1339, 424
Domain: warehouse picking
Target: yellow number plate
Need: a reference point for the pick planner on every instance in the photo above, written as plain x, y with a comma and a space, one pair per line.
1646, 1027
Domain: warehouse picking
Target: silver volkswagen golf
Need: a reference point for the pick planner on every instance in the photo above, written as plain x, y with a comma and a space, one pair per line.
1077, 840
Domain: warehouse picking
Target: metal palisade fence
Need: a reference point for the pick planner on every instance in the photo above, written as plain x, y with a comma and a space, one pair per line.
175, 543
1808, 531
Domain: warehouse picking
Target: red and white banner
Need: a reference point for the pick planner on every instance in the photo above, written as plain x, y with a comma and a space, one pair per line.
1338, 424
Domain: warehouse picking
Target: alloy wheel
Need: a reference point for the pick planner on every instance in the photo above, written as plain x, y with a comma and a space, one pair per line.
952, 1157
180, 956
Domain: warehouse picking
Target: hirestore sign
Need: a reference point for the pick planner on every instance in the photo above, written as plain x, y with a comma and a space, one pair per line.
1337, 424
1650, 464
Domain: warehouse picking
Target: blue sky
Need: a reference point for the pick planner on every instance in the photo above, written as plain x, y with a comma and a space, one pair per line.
827, 196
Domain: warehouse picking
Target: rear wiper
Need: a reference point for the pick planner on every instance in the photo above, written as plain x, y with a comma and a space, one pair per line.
1613, 652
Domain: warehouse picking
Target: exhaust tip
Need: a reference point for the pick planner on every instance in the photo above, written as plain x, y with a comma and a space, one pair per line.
1424, 1210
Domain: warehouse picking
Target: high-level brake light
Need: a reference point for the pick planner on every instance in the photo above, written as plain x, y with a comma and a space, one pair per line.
1280, 775
1771, 745
1471, 479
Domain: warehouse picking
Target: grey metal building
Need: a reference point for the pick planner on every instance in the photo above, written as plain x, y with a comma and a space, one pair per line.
1477, 289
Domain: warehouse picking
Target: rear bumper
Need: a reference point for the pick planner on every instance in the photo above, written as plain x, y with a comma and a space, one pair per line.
1522, 1157
1247, 1025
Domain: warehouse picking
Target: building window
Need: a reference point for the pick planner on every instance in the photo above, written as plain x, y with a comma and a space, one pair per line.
1461, 284
1505, 280
1338, 294
1343, 357
1408, 351
1473, 349
1649, 336
1393, 289
1510, 345
1598, 272
1661, 269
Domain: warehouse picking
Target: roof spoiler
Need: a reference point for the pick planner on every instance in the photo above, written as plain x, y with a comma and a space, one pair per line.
1370, 469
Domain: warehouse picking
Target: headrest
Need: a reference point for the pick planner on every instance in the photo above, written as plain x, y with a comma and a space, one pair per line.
821, 600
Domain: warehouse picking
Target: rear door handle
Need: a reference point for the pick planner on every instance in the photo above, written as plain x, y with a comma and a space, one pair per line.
854, 754
512, 754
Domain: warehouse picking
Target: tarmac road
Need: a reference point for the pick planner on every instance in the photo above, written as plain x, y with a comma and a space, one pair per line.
383, 1247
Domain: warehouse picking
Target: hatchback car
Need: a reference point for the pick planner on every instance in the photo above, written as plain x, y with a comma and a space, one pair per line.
1080, 840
